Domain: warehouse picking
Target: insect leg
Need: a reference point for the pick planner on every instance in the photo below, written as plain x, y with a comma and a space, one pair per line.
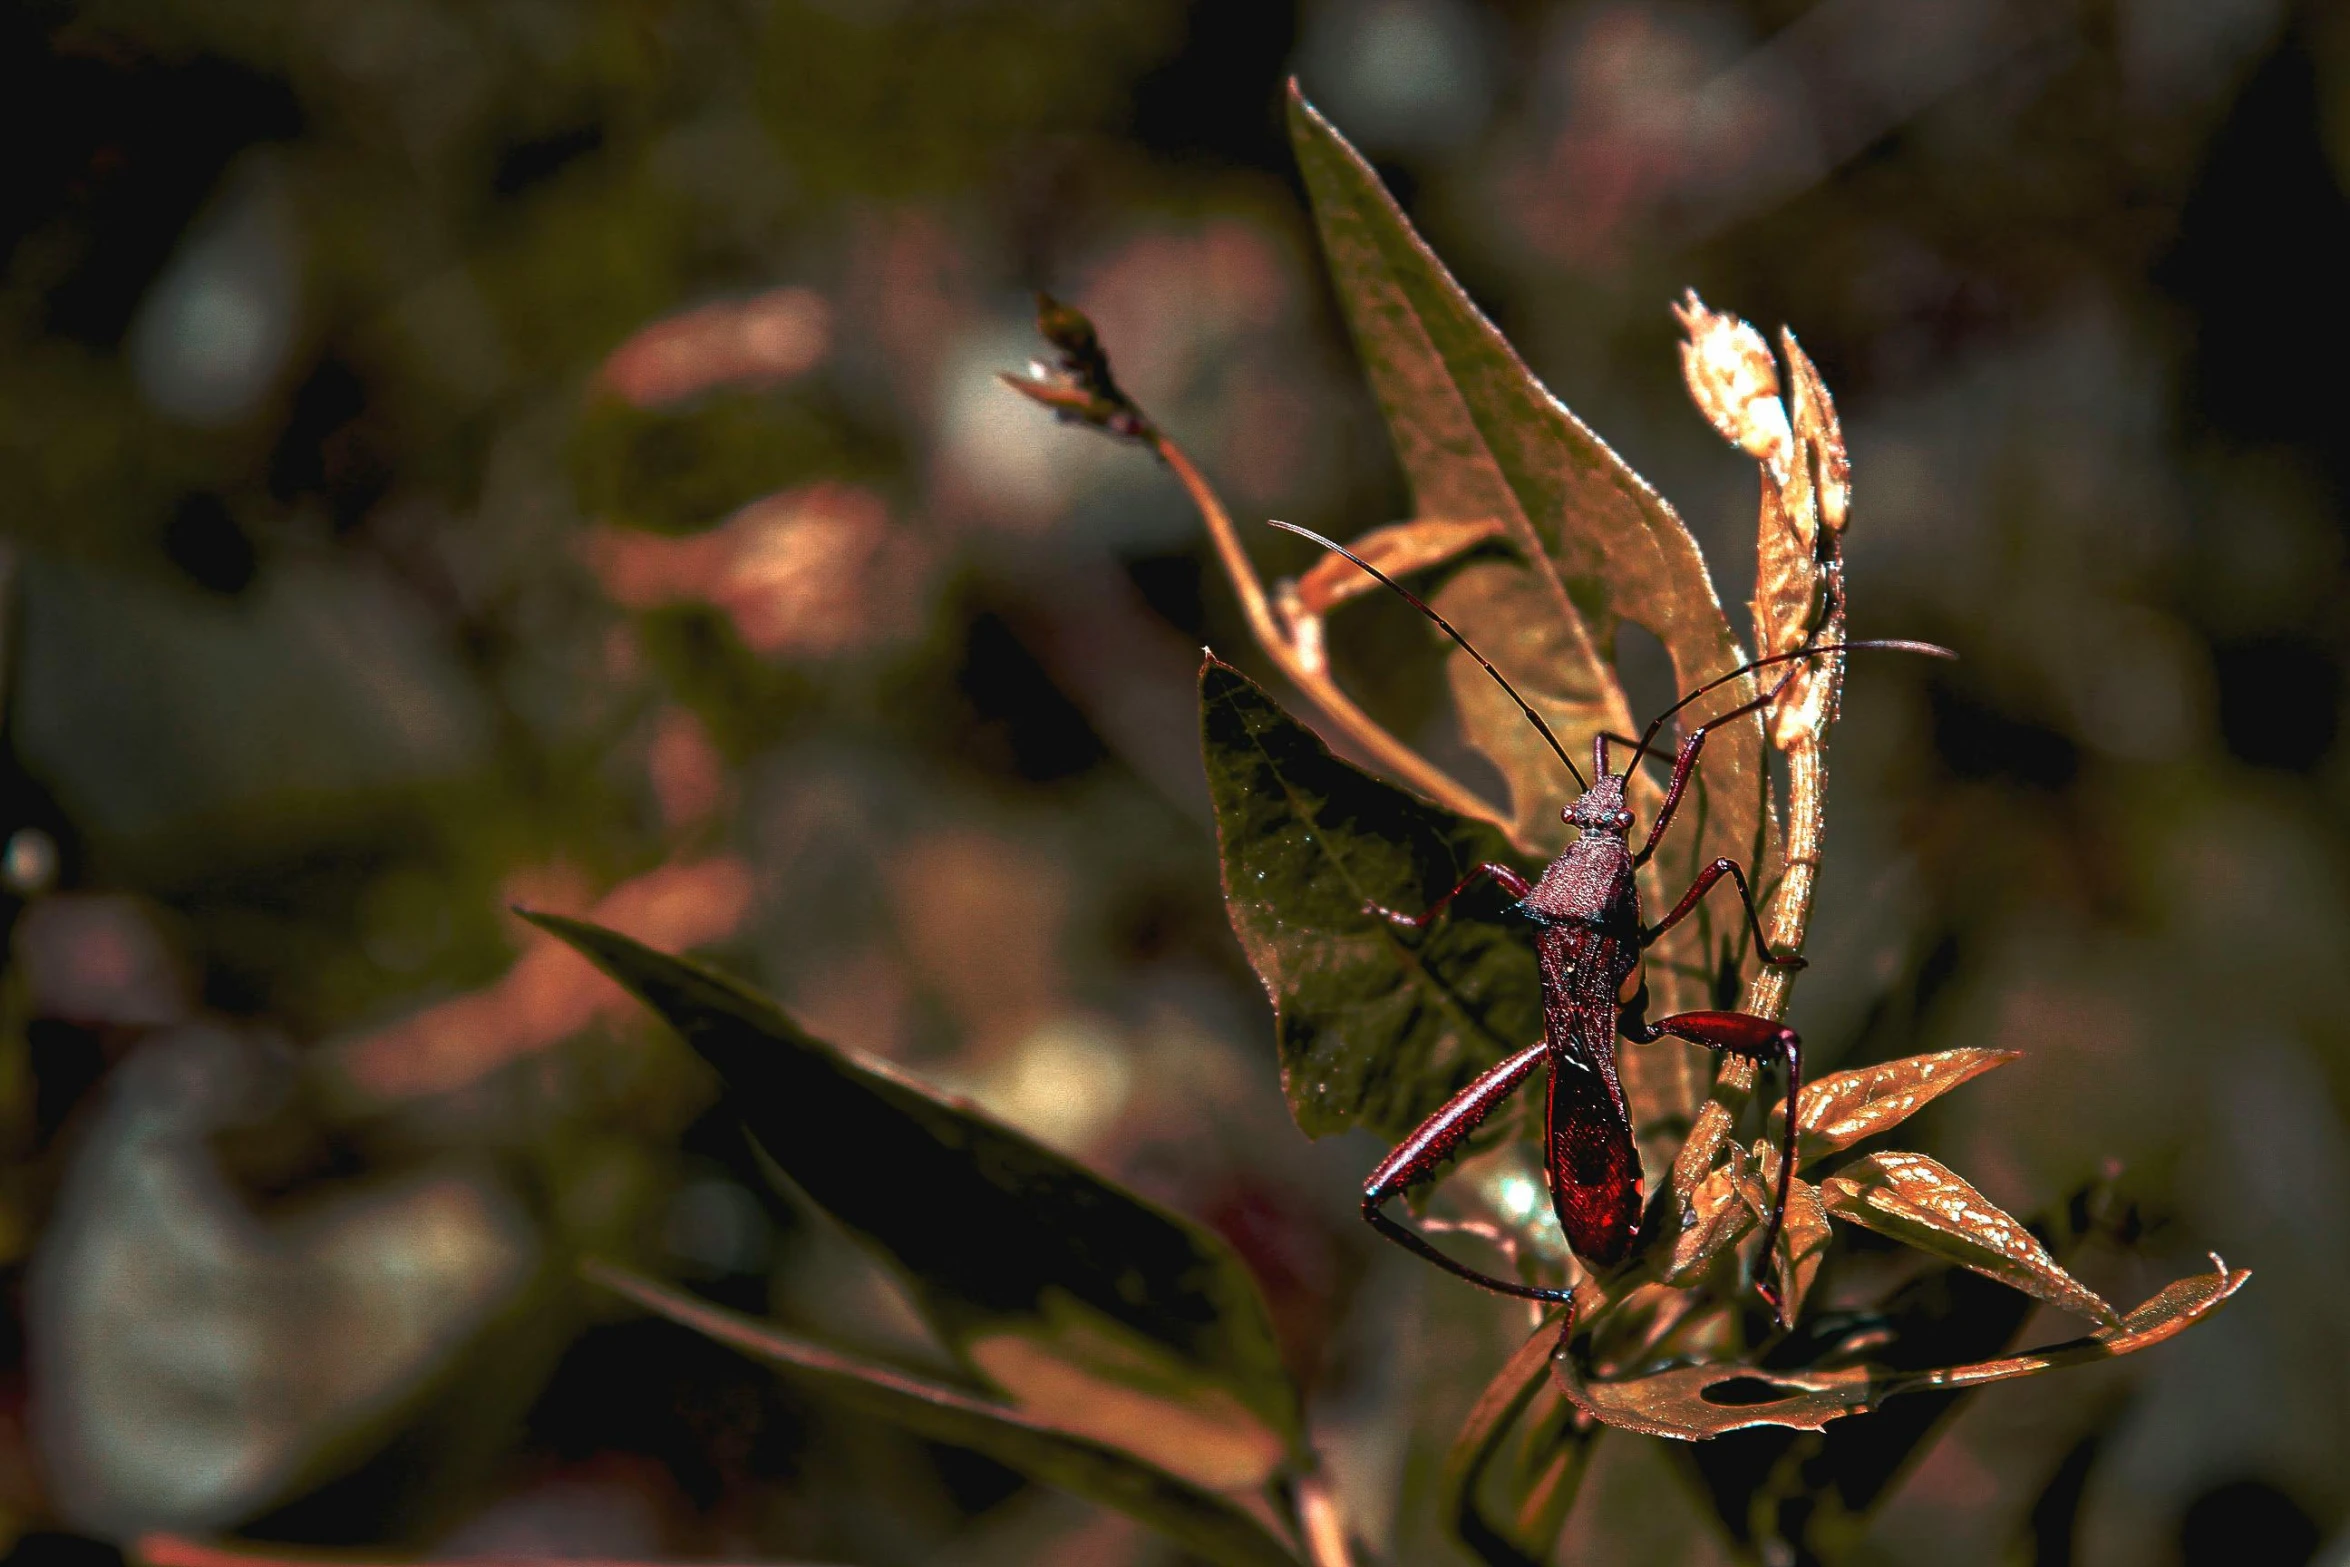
1686, 762
1435, 1140
1705, 884
1757, 1039
1509, 881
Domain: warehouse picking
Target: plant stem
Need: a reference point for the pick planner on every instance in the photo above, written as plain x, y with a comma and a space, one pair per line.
1319, 1521
1294, 644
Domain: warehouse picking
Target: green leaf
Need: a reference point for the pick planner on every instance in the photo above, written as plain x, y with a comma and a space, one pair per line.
1479, 436
1845, 1107
1201, 1521
1918, 1200
1377, 1026
1088, 1305
1692, 1402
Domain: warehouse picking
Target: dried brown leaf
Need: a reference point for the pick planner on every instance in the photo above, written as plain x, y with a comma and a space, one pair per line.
1694, 1402
1398, 549
1917, 1200
1845, 1107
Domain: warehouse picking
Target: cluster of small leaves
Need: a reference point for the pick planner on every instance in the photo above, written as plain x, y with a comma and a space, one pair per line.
1122, 1352
1377, 1028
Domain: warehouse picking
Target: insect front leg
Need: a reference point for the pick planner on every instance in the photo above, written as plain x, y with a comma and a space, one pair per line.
1705, 884
1756, 1039
1508, 880
1418, 1157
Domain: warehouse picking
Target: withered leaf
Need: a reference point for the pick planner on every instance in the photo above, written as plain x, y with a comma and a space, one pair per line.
1844, 1108
1213, 1525
1917, 1200
1398, 549
1694, 1402
1079, 387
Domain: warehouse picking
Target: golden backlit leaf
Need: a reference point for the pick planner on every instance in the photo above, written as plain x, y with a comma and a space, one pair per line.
1845, 1107
1730, 375
1917, 1200
1398, 549
1799, 593
1694, 1402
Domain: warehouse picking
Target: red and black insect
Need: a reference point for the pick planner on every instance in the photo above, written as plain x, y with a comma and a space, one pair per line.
1589, 941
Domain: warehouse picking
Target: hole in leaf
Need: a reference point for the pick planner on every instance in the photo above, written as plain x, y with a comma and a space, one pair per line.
1744, 1392
1645, 670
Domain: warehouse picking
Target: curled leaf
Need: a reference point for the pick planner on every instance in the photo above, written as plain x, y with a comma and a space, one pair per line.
1728, 369
1377, 1026
1917, 1200
1694, 1402
1844, 1108
1397, 549
1215, 1526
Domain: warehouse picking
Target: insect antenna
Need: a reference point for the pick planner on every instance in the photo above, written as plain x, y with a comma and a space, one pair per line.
1889, 645
1445, 626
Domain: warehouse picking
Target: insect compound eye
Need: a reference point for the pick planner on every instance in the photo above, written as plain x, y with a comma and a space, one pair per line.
1623, 821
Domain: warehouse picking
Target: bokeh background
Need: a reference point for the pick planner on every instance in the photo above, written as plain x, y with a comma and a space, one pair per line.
458, 454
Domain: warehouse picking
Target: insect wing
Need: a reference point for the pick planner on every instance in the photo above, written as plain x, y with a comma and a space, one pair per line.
1594, 1169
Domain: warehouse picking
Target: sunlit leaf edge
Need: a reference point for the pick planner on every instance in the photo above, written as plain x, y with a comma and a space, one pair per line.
1230, 1340
1201, 1520
1674, 1402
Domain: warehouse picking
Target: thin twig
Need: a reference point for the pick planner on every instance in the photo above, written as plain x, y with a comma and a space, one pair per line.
1297, 650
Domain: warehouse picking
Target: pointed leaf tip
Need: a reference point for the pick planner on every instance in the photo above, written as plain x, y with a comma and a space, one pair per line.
1844, 1108
1919, 1201
1069, 1289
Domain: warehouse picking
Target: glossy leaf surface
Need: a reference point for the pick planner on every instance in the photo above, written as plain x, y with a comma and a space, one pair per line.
1377, 1026
1084, 1302
1844, 1108
1691, 1402
1920, 1201
1204, 1522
